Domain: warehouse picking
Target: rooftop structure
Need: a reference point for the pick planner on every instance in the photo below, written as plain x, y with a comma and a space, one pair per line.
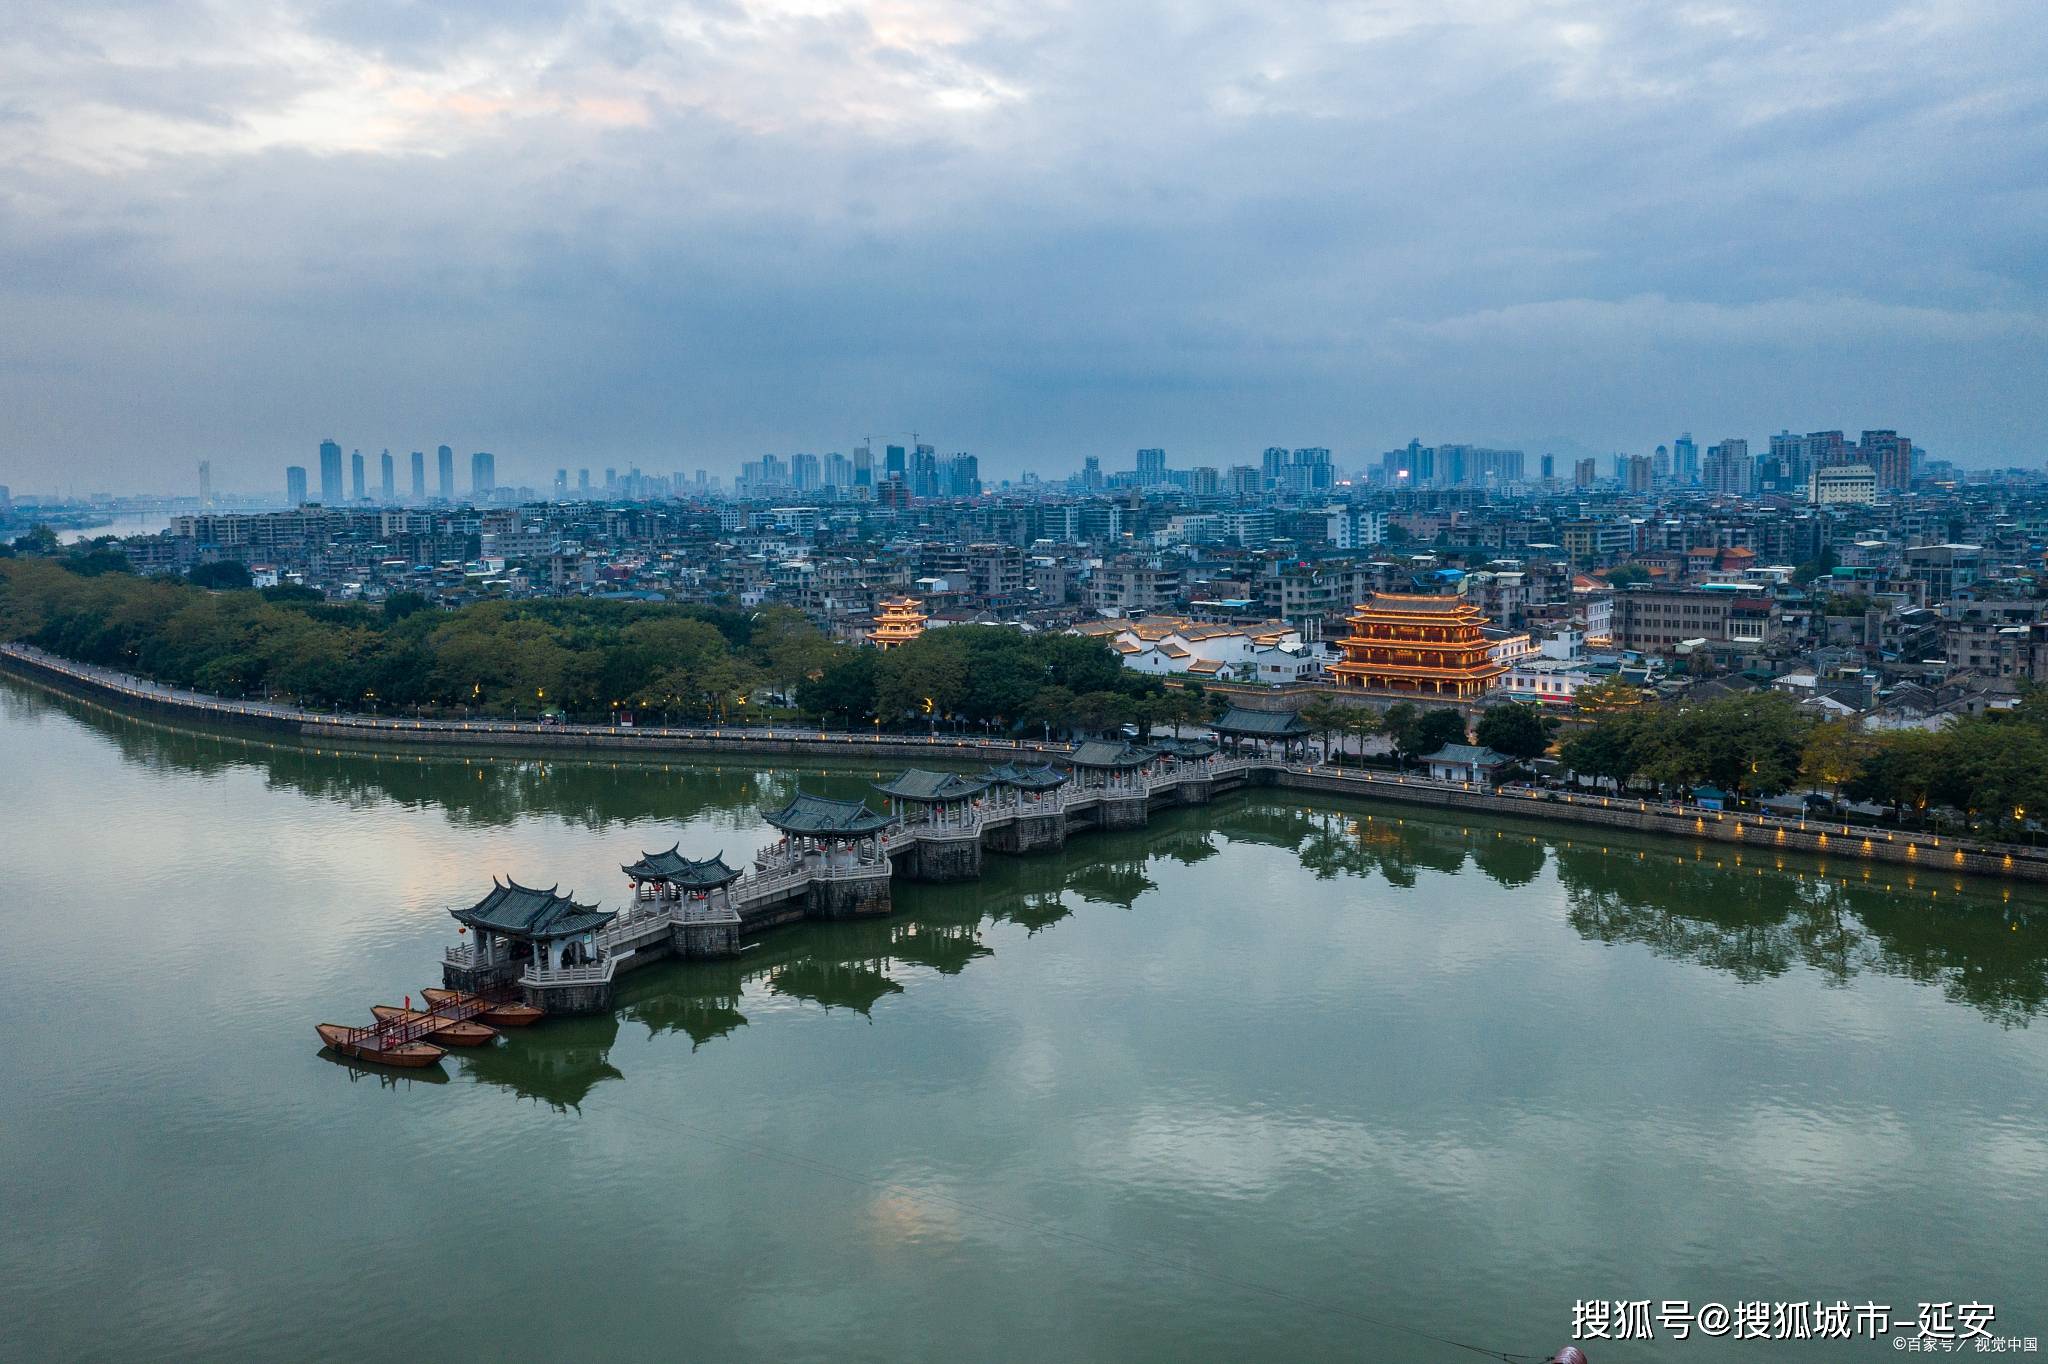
1110, 753
1025, 778
918, 785
820, 816
527, 915
1237, 722
671, 868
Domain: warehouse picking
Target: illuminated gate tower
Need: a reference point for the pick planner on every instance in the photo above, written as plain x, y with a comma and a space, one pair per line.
898, 621
1417, 646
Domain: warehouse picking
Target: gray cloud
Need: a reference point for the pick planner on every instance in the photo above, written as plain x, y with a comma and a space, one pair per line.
681, 235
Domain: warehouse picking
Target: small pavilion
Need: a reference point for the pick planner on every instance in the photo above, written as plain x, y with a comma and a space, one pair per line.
549, 928
1015, 786
1465, 762
837, 833
1186, 751
1110, 765
1264, 728
935, 799
671, 876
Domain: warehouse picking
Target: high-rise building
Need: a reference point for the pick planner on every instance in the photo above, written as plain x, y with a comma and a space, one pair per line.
892, 464
387, 478
205, 483
804, 472
483, 472
1151, 468
1685, 460
444, 472
295, 484
863, 466
1091, 473
561, 484
419, 476
1891, 455
1308, 470
1271, 462
924, 471
1412, 466
1549, 466
1585, 472
963, 476
330, 473
1728, 468
583, 482
357, 491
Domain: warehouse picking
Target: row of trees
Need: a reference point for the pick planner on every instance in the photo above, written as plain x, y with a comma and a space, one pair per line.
586, 658
1515, 729
1990, 770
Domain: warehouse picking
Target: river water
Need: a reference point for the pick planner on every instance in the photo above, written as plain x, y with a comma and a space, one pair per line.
1242, 1085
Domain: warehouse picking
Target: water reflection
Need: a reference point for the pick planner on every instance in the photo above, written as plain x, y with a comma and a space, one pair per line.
702, 1002
1752, 915
556, 1063
836, 984
475, 789
383, 1076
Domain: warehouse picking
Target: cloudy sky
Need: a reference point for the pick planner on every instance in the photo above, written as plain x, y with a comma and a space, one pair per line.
683, 235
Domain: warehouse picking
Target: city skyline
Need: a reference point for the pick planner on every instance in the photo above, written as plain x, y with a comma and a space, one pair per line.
1569, 230
1681, 459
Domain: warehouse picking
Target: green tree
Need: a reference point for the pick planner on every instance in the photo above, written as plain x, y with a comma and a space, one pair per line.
1326, 719
1612, 693
1606, 750
845, 691
1516, 729
1833, 755
1402, 725
1438, 726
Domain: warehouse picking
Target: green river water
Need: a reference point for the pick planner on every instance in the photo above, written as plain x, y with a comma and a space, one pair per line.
1246, 1084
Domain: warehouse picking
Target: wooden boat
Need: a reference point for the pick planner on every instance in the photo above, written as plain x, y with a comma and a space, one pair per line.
446, 1032
504, 1014
364, 1044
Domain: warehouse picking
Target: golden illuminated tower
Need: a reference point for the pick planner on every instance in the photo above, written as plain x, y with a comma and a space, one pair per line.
1417, 646
898, 621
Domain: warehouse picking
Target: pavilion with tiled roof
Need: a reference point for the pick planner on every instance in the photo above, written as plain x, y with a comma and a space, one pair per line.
918, 796
1022, 778
1013, 786
551, 925
841, 832
1110, 765
1262, 727
809, 816
678, 873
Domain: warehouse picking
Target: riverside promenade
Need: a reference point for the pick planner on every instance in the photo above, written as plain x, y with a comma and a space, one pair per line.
1929, 858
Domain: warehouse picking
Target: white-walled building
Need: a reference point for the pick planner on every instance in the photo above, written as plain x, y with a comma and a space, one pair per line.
1268, 651
1355, 527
